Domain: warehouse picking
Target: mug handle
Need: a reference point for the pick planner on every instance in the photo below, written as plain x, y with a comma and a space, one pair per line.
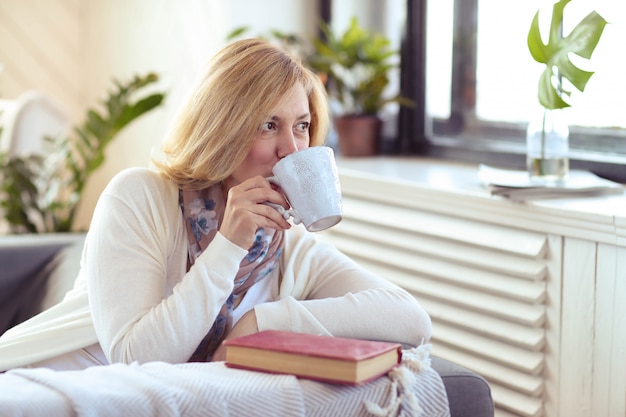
285, 213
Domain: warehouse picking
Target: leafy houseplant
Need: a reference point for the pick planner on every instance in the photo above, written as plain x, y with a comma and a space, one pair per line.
544, 162
356, 65
40, 194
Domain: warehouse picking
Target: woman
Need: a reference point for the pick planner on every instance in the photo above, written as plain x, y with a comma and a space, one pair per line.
177, 260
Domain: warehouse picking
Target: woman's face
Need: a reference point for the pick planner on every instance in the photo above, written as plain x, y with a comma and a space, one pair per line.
285, 131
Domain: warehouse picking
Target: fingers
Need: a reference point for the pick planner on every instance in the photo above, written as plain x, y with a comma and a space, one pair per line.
259, 190
245, 212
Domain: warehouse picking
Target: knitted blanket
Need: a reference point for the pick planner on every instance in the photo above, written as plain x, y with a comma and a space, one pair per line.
212, 389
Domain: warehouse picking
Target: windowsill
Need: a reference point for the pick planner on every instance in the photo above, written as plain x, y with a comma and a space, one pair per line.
444, 186
508, 153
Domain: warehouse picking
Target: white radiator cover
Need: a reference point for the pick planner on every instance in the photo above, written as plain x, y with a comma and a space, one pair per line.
530, 296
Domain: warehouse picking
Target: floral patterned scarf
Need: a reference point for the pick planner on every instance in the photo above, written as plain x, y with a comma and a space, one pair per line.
203, 211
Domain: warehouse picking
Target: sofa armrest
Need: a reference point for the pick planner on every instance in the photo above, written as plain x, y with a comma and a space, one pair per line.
469, 394
24, 271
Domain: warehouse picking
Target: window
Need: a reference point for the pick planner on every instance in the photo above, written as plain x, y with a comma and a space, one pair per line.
481, 83
466, 65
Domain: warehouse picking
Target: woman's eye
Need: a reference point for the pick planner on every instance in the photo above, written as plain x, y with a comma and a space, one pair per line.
303, 127
269, 126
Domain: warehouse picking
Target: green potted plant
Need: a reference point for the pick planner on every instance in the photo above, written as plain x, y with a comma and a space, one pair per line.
547, 139
356, 66
41, 194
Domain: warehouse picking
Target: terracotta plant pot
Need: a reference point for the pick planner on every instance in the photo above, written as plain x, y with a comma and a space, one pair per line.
358, 135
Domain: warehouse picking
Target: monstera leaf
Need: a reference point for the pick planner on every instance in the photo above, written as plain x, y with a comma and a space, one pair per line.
581, 41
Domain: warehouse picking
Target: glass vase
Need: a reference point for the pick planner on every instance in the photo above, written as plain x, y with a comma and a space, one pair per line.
547, 147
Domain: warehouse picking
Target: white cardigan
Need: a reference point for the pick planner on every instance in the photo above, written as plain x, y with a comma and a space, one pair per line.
134, 296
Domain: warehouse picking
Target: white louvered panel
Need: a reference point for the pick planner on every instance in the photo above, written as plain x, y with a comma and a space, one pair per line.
428, 223
516, 312
441, 248
515, 392
442, 269
504, 358
505, 354
515, 403
531, 338
531, 385
483, 285
498, 238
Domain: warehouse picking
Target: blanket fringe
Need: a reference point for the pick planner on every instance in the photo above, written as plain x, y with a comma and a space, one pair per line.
401, 398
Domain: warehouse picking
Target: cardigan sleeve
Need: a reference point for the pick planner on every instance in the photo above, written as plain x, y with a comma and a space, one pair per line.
131, 247
324, 291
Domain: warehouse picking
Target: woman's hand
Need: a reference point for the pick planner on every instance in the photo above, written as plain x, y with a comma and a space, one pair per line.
246, 325
245, 212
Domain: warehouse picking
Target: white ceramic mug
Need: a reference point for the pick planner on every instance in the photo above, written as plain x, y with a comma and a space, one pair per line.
309, 180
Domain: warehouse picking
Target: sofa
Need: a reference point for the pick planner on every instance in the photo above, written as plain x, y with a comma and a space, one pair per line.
34, 271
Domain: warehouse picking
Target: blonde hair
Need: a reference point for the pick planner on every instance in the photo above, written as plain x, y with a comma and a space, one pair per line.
241, 85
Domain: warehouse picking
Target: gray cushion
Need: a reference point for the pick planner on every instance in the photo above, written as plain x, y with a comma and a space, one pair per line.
22, 283
26, 266
469, 394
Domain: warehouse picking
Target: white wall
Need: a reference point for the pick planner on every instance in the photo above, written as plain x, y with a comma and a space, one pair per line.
41, 46
74, 48
123, 38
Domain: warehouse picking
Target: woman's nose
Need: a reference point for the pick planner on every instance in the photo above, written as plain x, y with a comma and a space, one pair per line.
287, 144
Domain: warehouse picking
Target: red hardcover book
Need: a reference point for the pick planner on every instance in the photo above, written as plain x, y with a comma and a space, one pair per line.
323, 358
